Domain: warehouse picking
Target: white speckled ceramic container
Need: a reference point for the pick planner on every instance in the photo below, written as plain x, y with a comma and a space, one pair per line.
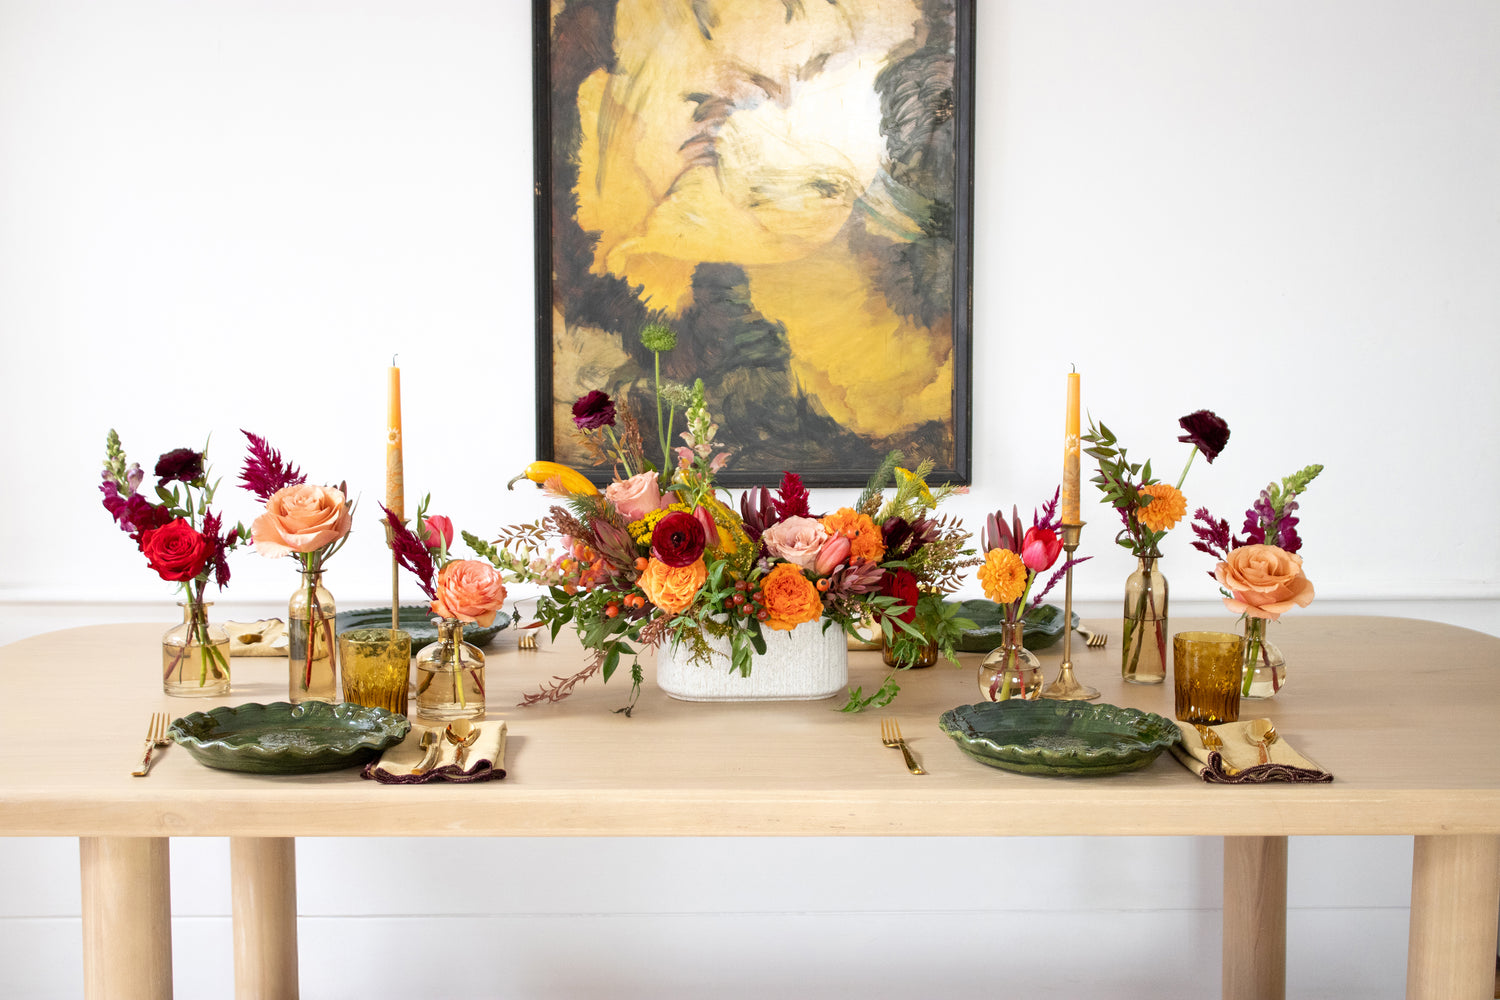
805, 664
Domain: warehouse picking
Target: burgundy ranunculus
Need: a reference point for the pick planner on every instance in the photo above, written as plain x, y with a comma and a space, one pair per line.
594, 410
177, 551
1206, 431
1040, 549
180, 465
678, 539
902, 585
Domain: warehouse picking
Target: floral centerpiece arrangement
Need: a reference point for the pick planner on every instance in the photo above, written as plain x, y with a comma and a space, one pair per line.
186, 543
1012, 562
309, 523
1148, 509
1260, 575
660, 559
450, 673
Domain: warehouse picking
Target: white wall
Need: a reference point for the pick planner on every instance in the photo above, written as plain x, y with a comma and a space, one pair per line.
231, 214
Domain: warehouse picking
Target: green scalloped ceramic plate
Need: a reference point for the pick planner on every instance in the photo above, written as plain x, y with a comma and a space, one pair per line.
416, 620
1061, 738
282, 738
1039, 629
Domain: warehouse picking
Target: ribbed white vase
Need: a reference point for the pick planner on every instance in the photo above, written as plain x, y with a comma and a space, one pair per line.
805, 664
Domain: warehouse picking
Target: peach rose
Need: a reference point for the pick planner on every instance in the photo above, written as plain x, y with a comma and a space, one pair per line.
301, 519
635, 497
1265, 581
789, 598
470, 591
797, 540
672, 588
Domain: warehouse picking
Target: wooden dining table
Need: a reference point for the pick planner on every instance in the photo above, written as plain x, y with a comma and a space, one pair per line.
1402, 712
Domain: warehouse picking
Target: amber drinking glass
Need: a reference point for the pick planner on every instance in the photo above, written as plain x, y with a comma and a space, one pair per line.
1206, 674
375, 667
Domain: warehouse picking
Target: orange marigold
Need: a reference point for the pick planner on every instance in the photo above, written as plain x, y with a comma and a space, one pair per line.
1003, 576
866, 544
789, 597
1166, 508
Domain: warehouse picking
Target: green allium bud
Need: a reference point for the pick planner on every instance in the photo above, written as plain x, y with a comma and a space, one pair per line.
658, 337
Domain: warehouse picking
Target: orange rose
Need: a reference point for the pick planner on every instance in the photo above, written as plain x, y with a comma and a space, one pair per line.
1265, 581
301, 519
789, 597
470, 591
1166, 508
672, 588
866, 544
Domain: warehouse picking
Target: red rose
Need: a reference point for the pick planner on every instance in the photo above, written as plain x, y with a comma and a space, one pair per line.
177, 551
902, 585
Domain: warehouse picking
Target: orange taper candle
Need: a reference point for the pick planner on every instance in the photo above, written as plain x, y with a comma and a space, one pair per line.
395, 487
1071, 514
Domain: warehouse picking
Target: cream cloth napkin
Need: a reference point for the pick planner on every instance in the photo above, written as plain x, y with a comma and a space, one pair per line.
1239, 762
262, 638
486, 759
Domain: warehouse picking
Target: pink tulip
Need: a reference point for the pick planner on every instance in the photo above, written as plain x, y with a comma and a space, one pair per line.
833, 554
436, 531
710, 529
1040, 549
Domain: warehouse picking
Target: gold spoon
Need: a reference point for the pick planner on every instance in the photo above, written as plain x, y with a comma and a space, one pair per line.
1263, 734
461, 733
428, 743
1212, 741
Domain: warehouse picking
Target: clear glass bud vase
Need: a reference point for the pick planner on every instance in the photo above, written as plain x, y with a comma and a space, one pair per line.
1144, 658
312, 654
1010, 670
1264, 670
450, 676
195, 655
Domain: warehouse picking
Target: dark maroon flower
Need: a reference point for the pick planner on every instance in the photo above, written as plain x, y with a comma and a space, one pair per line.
902, 585
411, 553
757, 511
177, 551
594, 410
678, 539
219, 546
180, 465
265, 472
1205, 431
143, 516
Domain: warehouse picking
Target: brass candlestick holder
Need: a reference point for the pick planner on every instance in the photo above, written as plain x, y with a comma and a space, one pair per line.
1066, 687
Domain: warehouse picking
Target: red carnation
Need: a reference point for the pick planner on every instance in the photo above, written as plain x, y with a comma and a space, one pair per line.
177, 551
678, 539
593, 410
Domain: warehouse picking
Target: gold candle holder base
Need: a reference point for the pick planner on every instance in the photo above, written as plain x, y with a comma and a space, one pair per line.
1066, 687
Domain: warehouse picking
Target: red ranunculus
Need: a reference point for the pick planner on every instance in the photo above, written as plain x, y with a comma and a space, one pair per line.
902, 585
678, 539
1040, 549
177, 551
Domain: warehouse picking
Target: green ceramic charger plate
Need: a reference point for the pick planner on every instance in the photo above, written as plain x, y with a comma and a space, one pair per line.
1040, 626
416, 619
282, 738
1062, 738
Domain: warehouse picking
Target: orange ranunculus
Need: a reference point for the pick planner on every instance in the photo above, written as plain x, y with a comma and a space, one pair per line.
866, 544
1166, 508
1265, 581
789, 597
301, 518
1003, 576
672, 588
470, 591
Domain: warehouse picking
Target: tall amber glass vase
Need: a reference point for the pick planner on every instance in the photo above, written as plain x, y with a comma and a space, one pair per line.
312, 655
195, 655
1144, 658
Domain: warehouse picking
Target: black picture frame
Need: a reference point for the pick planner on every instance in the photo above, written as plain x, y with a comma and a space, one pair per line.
579, 48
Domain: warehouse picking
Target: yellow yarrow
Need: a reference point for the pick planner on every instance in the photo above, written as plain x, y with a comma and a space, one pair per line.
1003, 576
1165, 508
640, 531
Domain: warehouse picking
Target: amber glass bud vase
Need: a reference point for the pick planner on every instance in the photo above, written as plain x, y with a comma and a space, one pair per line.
195, 655
312, 655
450, 676
1144, 658
1010, 670
1264, 671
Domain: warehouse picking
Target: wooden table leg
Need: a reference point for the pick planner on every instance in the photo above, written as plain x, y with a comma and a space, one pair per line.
263, 876
127, 918
1455, 892
1254, 918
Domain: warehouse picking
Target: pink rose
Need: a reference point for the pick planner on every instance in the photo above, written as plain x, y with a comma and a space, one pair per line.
1265, 580
833, 554
1040, 549
436, 532
301, 518
797, 540
470, 591
635, 497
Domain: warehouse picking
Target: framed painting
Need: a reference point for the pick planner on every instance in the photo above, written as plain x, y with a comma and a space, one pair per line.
787, 186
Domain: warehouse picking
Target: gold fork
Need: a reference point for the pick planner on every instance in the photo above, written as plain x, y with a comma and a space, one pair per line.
156, 736
890, 735
1092, 639
1213, 741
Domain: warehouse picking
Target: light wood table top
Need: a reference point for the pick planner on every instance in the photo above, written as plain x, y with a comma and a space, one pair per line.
1402, 712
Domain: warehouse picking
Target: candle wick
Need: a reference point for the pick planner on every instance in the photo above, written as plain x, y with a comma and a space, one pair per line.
393, 360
